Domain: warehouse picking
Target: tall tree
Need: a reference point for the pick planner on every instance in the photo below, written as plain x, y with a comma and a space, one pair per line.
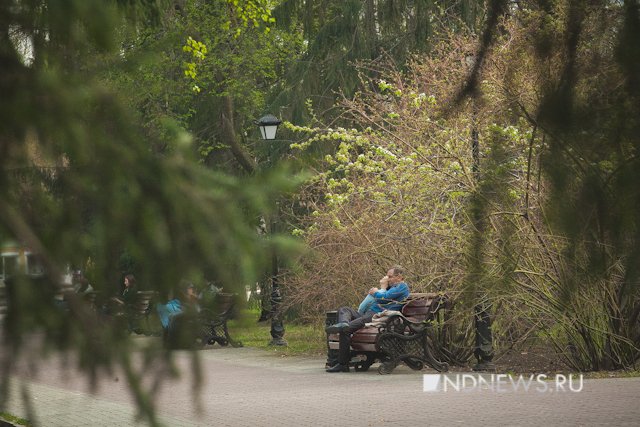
338, 34
217, 62
78, 181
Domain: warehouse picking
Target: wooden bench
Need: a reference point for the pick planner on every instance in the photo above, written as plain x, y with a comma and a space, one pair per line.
139, 311
193, 329
407, 338
135, 315
214, 316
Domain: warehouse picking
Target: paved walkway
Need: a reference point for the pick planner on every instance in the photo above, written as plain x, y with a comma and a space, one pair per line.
249, 387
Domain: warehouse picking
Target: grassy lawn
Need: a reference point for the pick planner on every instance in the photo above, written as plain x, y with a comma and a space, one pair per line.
13, 419
302, 339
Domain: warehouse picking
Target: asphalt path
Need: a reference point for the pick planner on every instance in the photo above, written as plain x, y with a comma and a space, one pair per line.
252, 387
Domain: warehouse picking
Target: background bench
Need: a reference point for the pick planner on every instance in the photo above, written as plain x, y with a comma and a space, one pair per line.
408, 338
214, 316
195, 329
140, 310
135, 316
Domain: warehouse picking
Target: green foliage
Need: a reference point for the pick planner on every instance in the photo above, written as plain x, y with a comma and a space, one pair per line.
13, 419
340, 34
586, 105
541, 224
301, 339
250, 13
224, 69
83, 182
384, 195
199, 51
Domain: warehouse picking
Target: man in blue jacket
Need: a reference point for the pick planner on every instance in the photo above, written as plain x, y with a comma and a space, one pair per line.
391, 295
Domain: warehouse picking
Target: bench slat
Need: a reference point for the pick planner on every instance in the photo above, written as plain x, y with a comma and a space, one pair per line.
363, 347
358, 346
417, 307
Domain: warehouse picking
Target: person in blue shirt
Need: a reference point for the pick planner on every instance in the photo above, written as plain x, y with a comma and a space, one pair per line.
391, 295
176, 306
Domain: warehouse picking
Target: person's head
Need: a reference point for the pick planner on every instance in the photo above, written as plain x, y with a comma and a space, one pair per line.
190, 291
129, 280
395, 275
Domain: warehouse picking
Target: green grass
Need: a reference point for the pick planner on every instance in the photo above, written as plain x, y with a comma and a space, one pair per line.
13, 419
303, 340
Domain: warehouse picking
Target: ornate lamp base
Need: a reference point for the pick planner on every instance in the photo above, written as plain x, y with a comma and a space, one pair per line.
484, 367
279, 342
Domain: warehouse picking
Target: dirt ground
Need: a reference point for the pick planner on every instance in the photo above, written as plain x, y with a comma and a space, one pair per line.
530, 359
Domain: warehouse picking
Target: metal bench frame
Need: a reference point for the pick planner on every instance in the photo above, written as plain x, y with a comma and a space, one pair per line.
408, 338
213, 319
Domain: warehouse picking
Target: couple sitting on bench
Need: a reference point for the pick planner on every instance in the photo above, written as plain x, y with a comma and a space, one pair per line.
393, 291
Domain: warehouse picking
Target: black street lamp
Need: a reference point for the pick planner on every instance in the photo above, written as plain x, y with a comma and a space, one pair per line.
268, 127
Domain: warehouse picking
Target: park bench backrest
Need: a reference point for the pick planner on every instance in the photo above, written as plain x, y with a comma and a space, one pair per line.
424, 306
221, 305
141, 304
417, 310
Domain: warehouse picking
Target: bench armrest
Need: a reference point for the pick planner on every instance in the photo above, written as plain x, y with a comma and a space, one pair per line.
399, 324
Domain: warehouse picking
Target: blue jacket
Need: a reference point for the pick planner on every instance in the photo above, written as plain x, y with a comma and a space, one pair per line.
168, 310
391, 298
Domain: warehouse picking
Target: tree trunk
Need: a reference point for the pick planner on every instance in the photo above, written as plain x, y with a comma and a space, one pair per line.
230, 136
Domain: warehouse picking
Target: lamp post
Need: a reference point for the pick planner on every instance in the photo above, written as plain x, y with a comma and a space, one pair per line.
482, 319
268, 127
